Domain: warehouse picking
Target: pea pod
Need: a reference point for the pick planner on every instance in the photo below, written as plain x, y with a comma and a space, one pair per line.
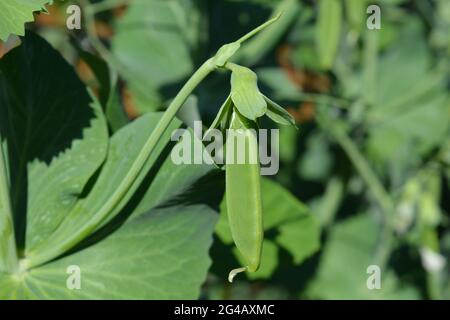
243, 193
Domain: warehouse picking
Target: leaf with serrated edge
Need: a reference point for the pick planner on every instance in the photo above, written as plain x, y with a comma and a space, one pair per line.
14, 14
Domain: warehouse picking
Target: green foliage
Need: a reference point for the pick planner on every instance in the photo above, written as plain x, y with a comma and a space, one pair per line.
394, 119
329, 21
342, 272
67, 183
170, 244
168, 27
14, 13
45, 141
365, 181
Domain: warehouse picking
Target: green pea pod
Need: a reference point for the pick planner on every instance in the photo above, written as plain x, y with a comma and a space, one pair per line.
243, 193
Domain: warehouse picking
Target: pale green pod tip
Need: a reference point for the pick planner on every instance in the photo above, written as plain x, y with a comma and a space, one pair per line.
233, 273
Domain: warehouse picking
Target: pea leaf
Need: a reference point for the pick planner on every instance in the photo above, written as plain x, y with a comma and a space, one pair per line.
245, 93
123, 150
162, 254
14, 14
56, 137
169, 234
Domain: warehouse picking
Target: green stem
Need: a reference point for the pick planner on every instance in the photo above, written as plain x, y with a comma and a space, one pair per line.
8, 250
132, 175
260, 45
258, 29
371, 180
331, 201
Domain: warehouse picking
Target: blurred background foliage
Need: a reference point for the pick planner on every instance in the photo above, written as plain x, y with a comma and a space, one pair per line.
366, 178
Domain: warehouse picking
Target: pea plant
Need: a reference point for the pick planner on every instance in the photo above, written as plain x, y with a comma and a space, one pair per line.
88, 215
121, 125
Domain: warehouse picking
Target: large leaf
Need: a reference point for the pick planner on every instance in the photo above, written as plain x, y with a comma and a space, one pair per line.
160, 249
159, 255
124, 148
8, 251
55, 132
152, 44
14, 13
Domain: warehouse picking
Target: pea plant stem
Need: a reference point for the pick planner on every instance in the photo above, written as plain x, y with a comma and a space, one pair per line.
370, 178
258, 29
260, 45
8, 250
